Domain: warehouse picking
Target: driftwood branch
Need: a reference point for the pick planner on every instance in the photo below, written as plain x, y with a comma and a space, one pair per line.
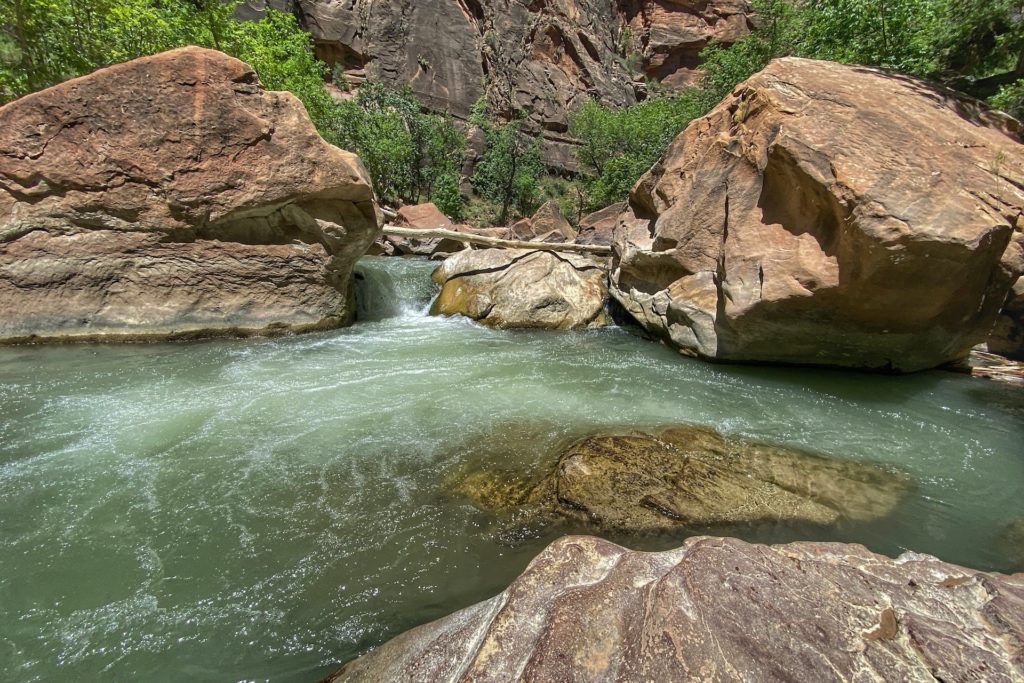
469, 238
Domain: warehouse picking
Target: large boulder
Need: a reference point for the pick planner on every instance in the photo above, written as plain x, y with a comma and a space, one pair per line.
172, 196
719, 609
508, 288
691, 477
827, 214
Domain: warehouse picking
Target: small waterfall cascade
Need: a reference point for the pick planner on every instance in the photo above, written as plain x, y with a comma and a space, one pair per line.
388, 287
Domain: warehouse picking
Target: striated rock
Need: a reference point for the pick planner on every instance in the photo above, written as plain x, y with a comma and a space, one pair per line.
172, 196
668, 35
690, 477
1007, 337
599, 227
523, 288
721, 609
829, 215
542, 56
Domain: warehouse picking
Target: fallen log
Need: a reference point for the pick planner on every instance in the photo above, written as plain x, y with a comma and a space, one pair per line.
469, 238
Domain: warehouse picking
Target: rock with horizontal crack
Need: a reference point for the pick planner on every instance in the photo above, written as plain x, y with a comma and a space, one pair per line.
829, 215
508, 288
172, 196
691, 477
720, 609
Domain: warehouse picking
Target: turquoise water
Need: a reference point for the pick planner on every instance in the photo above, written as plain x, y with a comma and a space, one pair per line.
265, 509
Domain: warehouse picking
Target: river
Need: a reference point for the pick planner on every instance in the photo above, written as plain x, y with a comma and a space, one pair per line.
263, 509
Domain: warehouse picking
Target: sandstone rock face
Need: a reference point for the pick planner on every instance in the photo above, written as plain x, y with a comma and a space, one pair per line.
830, 215
550, 225
719, 609
508, 288
599, 227
546, 57
691, 477
1007, 337
172, 196
423, 216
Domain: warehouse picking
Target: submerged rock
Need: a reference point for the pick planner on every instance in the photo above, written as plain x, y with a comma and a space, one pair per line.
830, 215
172, 196
1013, 538
691, 477
721, 609
508, 288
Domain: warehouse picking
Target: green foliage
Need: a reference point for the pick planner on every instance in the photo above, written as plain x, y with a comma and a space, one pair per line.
618, 145
405, 150
568, 194
975, 45
509, 171
48, 41
1010, 99
447, 196
282, 55
963, 43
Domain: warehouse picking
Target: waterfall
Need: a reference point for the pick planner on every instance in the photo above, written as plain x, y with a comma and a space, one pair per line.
389, 287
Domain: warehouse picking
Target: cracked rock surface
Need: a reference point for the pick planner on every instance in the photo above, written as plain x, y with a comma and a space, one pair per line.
829, 215
720, 609
508, 288
171, 196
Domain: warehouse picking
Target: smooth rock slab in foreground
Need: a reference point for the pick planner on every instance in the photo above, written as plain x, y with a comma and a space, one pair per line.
508, 288
172, 196
720, 609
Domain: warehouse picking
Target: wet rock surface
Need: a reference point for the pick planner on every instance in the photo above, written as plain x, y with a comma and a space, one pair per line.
827, 215
171, 196
721, 609
522, 288
691, 477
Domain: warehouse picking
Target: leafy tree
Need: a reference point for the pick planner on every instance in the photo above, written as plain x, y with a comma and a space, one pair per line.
510, 170
404, 149
618, 145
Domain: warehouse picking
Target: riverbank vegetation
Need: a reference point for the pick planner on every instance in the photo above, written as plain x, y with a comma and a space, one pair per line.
976, 46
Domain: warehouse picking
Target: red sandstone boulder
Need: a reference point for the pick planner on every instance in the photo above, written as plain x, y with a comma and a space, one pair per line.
423, 216
831, 215
172, 196
599, 227
721, 609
